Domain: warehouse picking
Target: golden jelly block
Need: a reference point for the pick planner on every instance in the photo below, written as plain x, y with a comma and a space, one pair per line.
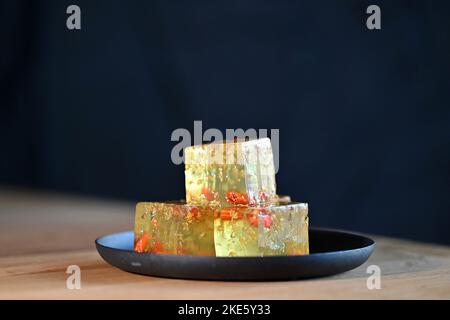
174, 228
230, 173
274, 230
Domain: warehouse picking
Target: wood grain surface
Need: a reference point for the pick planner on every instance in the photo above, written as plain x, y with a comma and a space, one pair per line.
41, 234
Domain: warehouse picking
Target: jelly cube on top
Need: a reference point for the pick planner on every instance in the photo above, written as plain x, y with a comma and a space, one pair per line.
230, 173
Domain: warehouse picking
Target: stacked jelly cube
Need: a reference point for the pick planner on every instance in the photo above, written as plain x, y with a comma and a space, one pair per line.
231, 208
223, 174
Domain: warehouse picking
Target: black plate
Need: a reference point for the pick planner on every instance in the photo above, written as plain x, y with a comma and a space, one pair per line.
331, 252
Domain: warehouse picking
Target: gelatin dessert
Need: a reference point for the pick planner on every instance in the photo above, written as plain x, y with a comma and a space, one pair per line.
174, 228
231, 208
178, 228
233, 173
274, 230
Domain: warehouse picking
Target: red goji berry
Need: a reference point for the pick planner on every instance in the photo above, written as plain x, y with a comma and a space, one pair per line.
236, 198
252, 217
157, 247
141, 244
193, 213
267, 220
209, 195
225, 214
263, 195
231, 213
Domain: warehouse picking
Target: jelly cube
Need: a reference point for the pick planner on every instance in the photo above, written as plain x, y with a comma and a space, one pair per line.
174, 228
230, 173
274, 230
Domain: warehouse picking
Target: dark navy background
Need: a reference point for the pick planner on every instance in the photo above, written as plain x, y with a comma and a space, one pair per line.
363, 115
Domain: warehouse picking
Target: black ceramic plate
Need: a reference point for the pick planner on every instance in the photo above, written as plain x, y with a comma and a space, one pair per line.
331, 252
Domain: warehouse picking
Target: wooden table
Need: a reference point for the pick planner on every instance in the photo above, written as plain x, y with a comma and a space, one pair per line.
41, 234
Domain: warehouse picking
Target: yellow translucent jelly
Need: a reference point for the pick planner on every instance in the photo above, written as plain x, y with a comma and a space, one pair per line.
274, 230
174, 228
177, 228
231, 173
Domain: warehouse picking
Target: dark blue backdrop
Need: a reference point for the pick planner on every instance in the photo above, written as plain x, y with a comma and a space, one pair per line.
363, 115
